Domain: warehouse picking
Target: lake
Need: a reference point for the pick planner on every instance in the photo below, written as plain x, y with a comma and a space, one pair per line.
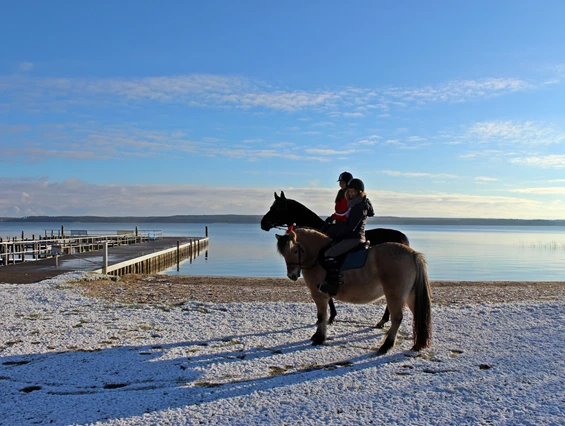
462, 253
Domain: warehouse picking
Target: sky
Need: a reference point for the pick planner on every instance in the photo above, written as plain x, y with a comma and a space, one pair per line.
442, 108
69, 359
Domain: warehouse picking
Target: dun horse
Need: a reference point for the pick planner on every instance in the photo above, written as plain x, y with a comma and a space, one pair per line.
392, 270
286, 211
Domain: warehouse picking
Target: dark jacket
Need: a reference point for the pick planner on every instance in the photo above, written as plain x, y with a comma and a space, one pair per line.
354, 226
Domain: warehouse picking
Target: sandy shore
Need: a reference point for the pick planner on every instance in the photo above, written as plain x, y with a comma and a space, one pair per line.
177, 289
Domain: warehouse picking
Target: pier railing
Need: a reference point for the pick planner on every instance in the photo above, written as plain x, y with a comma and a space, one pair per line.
22, 250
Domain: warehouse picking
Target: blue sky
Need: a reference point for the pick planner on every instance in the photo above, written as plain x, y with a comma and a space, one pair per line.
444, 109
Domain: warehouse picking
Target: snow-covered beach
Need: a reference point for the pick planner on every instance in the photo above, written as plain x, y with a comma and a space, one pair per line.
71, 359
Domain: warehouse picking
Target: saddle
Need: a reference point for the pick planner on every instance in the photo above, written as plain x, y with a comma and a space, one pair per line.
353, 259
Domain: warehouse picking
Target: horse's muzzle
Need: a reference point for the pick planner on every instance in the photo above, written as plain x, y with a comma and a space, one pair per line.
294, 276
266, 225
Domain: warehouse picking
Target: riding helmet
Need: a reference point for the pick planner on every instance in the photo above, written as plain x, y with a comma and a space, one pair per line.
345, 176
356, 184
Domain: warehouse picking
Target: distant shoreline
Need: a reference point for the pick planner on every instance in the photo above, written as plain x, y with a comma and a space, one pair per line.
254, 219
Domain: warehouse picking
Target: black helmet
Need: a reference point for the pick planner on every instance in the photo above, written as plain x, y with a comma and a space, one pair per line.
356, 184
345, 176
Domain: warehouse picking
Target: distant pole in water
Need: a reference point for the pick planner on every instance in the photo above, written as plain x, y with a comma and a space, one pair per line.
22, 235
137, 231
206, 231
63, 231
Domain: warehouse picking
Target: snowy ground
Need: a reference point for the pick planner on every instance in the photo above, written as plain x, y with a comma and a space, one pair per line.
67, 359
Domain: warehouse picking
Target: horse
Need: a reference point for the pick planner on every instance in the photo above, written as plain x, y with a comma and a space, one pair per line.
285, 212
392, 270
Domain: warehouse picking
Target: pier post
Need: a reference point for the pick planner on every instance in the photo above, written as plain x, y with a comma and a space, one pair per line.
105, 261
206, 231
22, 235
178, 255
63, 231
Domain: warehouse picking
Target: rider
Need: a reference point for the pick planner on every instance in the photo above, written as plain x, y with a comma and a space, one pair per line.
346, 235
340, 214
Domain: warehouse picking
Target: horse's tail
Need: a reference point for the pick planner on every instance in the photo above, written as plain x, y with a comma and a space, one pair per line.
422, 305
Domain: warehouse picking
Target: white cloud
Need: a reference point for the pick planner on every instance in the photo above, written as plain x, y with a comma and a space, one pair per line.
329, 151
459, 90
365, 142
76, 197
202, 90
485, 179
419, 174
26, 66
524, 133
541, 191
94, 141
547, 161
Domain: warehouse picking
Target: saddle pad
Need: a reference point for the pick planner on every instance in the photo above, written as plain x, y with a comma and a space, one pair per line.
355, 260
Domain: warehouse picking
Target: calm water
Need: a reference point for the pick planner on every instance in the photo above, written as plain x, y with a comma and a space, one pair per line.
465, 253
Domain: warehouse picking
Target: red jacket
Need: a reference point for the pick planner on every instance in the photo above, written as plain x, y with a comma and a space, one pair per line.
341, 208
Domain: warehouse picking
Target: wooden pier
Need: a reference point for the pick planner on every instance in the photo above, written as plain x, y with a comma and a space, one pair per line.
147, 257
24, 250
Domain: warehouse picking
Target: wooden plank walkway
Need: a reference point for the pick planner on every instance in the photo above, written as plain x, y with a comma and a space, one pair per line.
34, 271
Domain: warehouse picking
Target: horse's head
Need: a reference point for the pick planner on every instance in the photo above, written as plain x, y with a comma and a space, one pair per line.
292, 251
277, 214
300, 249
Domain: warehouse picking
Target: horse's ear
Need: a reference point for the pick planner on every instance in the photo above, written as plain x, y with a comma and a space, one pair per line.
276, 196
282, 195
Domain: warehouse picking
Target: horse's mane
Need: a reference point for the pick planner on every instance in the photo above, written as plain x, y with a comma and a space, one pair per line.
284, 239
302, 209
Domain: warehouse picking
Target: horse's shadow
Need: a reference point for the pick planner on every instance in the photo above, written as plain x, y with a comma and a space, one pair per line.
121, 382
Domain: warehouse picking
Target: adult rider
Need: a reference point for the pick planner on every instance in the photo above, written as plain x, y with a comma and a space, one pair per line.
346, 235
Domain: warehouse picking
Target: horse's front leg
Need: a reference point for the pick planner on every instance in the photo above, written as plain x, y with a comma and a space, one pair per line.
384, 319
319, 336
333, 312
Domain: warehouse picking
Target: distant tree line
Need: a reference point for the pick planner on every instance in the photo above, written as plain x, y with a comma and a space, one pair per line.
235, 218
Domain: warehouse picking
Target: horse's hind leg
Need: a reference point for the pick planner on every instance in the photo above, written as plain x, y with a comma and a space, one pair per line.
384, 319
395, 320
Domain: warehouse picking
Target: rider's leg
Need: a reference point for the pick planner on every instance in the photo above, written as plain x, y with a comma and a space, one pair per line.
333, 276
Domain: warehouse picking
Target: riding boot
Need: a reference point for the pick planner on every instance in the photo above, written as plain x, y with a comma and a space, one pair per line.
333, 278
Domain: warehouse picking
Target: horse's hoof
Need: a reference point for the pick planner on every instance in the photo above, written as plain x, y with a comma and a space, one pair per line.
381, 351
317, 339
380, 324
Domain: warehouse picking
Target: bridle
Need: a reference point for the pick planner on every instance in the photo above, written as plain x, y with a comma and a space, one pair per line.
285, 214
300, 251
